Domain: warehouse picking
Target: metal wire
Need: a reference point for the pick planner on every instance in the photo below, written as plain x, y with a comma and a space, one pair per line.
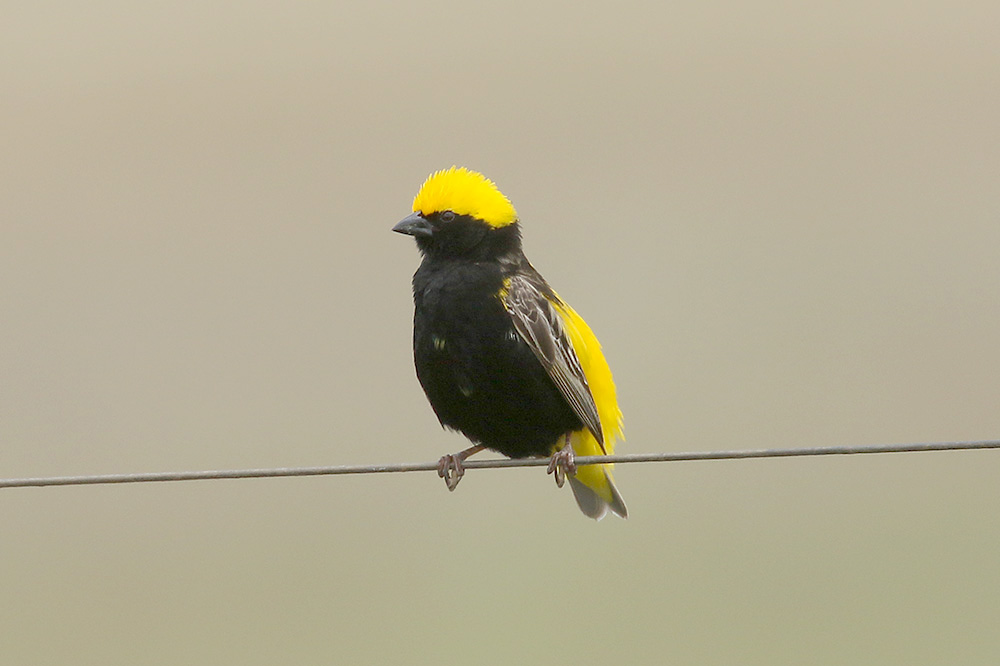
484, 464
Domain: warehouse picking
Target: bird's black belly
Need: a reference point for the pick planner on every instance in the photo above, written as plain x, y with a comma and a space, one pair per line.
479, 375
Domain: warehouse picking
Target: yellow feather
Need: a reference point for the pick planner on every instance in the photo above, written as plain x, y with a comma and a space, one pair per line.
464, 192
602, 388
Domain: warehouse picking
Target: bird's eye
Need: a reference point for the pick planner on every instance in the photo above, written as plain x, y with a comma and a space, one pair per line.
447, 216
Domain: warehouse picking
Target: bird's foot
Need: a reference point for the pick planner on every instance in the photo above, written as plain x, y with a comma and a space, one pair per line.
450, 467
451, 470
562, 463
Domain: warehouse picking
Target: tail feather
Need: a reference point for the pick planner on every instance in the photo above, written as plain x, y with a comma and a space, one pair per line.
592, 503
593, 486
588, 500
617, 503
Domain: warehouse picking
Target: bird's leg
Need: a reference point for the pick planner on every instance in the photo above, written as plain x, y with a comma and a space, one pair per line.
563, 462
450, 466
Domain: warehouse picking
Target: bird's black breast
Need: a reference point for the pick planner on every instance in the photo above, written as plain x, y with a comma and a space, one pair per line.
479, 375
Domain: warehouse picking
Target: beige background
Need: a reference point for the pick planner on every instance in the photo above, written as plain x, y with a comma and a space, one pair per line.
781, 220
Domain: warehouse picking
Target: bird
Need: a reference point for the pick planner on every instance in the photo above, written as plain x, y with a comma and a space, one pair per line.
502, 358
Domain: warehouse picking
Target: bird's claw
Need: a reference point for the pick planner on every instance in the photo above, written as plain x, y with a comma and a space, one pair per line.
450, 469
562, 463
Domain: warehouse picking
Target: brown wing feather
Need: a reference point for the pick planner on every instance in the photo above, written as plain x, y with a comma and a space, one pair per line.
541, 327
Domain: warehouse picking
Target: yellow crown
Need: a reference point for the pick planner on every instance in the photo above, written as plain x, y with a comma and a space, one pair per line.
464, 192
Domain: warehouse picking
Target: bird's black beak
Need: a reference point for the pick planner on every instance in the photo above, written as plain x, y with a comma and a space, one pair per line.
414, 225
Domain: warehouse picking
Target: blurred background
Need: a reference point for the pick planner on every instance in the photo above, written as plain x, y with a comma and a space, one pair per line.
781, 220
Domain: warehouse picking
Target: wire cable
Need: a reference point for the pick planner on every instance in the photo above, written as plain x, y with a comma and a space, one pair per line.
489, 464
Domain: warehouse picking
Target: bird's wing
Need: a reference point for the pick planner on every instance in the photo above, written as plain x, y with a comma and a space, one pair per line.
540, 324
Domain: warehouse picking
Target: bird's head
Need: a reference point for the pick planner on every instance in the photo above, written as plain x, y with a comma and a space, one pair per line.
461, 213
